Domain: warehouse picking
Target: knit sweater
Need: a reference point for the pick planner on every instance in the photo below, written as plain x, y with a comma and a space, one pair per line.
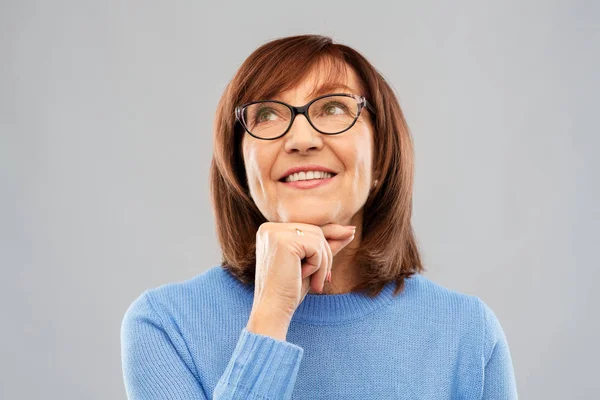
188, 340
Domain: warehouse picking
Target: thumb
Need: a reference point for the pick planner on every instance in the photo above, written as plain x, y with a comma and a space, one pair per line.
338, 236
338, 245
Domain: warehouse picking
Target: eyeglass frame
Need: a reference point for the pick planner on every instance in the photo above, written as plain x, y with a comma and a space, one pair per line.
303, 110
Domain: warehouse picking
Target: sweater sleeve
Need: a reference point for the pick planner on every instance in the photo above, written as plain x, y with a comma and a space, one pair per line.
261, 367
157, 364
499, 378
155, 361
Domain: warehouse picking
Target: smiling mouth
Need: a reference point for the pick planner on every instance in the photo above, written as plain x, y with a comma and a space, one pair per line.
329, 176
308, 184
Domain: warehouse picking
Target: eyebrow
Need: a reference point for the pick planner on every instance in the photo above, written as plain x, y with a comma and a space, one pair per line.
333, 87
328, 88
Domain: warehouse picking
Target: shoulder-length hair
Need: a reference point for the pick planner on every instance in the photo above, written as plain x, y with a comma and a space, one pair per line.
388, 249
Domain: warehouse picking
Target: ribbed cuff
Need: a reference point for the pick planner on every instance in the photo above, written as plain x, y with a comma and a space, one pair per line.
262, 366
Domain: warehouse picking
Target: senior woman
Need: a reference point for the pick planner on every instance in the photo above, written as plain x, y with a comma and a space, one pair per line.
320, 292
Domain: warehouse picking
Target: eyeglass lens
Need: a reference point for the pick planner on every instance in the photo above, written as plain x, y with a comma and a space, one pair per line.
331, 114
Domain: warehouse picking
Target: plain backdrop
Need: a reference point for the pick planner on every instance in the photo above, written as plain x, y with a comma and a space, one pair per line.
106, 112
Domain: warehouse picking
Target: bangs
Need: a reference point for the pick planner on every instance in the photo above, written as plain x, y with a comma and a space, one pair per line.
292, 69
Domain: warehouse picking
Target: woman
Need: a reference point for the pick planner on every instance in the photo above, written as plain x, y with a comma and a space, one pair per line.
320, 293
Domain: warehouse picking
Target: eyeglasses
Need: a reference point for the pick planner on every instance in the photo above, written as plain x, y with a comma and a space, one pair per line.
330, 115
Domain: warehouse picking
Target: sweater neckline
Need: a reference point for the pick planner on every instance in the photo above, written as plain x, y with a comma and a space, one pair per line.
331, 309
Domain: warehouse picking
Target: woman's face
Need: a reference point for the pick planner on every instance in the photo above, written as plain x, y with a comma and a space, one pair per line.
349, 154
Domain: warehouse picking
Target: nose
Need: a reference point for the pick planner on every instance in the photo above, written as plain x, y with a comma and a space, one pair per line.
302, 137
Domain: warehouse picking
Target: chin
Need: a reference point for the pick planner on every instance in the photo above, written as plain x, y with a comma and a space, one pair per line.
308, 216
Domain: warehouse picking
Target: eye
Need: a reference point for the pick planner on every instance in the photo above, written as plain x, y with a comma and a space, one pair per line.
265, 114
334, 108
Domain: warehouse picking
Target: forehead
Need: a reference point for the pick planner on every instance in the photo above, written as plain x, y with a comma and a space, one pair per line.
318, 82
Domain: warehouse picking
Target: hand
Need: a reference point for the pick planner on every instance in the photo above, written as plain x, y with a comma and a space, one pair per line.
288, 265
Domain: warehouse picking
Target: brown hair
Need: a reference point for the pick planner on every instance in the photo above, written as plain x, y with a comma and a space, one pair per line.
388, 249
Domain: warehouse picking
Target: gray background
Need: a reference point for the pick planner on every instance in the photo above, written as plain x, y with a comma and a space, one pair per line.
106, 113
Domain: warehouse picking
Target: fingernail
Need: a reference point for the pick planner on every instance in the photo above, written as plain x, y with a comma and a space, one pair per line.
351, 228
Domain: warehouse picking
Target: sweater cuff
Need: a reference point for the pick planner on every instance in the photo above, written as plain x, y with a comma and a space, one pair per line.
262, 366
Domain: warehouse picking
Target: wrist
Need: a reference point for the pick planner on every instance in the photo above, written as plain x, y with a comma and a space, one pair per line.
269, 323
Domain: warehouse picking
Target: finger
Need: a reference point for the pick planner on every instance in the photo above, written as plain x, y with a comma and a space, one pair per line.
338, 245
315, 263
336, 231
318, 278
309, 253
329, 257
306, 228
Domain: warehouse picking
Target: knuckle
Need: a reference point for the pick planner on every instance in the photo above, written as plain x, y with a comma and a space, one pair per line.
264, 227
267, 229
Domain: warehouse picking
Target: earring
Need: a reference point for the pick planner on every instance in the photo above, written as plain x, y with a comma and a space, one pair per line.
375, 183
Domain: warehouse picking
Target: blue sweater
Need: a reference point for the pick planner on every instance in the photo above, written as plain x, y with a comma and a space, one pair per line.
187, 340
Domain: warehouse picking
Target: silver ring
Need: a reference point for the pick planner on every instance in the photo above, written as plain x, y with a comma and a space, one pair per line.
299, 232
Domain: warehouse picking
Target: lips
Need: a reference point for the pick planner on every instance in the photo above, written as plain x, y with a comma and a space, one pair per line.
306, 168
308, 184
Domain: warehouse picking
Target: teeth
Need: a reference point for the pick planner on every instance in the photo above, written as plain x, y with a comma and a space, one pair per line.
308, 175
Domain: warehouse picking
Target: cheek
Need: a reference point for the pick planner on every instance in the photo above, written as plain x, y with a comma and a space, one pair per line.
250, 163
257, 162
359, 155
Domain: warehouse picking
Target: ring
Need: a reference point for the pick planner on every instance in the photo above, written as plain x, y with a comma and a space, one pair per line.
299, 232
